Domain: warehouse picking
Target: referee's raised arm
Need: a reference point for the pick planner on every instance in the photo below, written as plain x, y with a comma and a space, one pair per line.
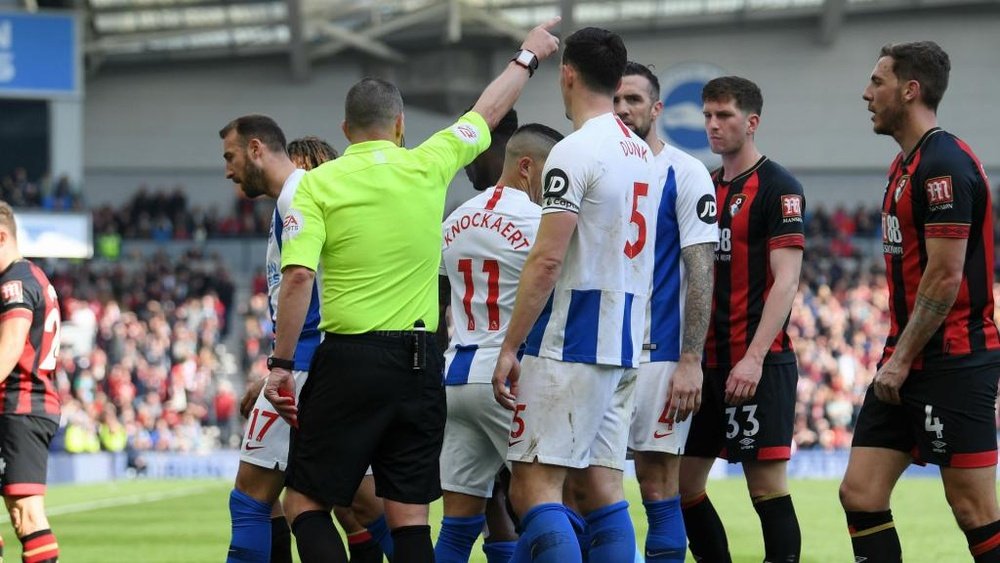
497, 99
367, 226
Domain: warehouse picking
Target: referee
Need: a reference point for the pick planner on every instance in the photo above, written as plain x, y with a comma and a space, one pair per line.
371, 221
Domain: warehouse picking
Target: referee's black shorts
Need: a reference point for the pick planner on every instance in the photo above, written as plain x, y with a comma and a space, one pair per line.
364, 404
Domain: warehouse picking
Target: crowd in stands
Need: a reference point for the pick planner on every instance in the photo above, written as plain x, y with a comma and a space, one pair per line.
142, 365
43, 193
163, 215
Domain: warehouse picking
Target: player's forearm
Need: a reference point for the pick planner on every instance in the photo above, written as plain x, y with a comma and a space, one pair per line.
699, 265
497, 99
777, 306
935, 296
293, 304
537, 280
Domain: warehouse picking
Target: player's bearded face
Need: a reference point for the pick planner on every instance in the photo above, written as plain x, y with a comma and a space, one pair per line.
634, 105
252, 180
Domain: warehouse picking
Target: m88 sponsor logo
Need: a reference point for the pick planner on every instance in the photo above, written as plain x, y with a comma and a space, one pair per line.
892, 235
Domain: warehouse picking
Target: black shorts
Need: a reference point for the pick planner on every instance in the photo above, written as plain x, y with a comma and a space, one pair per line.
760, 429
24, 453
364, 404
948, 418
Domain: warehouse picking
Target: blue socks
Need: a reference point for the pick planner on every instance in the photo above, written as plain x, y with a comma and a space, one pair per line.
499, 551
612, 537
547, 536
379, 530
582, 533
666, 540
454, 543
251, 539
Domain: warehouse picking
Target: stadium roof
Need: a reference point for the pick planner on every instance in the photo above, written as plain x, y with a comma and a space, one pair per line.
311, 30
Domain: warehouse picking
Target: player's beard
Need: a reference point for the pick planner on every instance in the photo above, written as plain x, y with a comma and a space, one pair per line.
891, 118
642, 130
254, 183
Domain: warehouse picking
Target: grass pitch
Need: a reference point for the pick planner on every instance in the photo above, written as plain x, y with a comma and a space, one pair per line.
188, 521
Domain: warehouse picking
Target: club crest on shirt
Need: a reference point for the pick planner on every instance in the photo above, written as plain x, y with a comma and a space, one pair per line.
900, 186
736, 202
12, 292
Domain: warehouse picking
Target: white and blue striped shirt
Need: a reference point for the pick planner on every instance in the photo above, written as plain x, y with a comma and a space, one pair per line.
310, 337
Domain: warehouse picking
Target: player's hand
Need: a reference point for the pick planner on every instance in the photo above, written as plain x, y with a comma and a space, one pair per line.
250, 396
684, 392
540, 42
508, 370
889, 379
280, 391
741, 385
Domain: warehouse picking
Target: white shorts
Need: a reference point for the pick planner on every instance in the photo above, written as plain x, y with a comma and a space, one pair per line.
265, 442
651, 431
571, 414
475, 440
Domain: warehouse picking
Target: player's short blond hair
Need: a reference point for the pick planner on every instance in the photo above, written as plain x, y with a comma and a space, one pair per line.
7, 218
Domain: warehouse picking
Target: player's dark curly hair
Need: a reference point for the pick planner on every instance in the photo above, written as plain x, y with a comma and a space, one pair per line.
599, 56
311, 152
745, 93
923, 61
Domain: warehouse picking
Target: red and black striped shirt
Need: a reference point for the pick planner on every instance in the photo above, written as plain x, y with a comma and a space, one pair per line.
940, 191
25, 292
759, 210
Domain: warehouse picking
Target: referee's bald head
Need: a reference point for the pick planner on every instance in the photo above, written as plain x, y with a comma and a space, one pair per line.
372, 103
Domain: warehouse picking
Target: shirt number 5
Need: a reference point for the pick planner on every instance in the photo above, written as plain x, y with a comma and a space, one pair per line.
632, 249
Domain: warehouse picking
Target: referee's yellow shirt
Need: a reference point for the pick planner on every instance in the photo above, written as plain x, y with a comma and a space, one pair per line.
371, 219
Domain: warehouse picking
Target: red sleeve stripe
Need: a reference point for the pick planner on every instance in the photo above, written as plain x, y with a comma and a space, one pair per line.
796, 240
18, 313
947, 230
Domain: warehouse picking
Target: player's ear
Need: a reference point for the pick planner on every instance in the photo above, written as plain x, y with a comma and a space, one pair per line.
524, 165
566, 75
911, 91
400, 128
253, 148
657, 109
346, 130
753, 121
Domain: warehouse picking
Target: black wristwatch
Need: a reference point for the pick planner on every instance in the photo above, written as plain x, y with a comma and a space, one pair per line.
282, 363
527, 59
